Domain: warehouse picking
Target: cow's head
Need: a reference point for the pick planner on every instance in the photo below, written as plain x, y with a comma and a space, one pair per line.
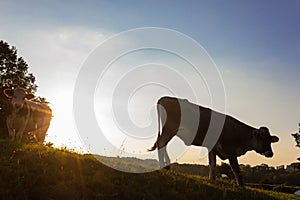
263, 140
18, 97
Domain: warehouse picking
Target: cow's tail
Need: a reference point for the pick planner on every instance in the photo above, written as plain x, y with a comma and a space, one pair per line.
158, 135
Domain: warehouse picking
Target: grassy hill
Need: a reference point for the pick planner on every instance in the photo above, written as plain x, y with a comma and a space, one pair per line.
39, 172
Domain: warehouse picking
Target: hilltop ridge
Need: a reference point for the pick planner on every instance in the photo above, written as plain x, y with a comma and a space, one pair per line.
32, 171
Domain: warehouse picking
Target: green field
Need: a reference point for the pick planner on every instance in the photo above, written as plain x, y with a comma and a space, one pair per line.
31, 171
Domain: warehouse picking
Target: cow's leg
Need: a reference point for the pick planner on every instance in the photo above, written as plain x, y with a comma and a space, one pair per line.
19, 135
40, 135
236, 170
161, 156
167, 159
36, 133
11, 131
164, 160
21, 130
42, 128
212, 165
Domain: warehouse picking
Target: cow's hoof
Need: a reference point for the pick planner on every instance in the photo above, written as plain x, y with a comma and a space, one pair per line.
167, 167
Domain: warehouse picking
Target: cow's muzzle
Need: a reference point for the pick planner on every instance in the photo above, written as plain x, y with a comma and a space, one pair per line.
268, 154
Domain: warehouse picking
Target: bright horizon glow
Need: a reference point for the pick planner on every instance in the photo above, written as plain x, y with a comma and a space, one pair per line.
255, 46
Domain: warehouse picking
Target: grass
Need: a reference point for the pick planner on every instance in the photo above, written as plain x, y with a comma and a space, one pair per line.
32, 171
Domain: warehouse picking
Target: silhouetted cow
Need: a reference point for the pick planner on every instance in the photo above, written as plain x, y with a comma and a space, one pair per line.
235, 139
27, 116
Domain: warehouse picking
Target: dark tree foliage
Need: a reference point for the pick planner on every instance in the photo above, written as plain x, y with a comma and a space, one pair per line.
14, 70
260, 174
13, 73
297, 139
4, 111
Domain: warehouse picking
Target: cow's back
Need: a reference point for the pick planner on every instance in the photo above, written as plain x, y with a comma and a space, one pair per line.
190, 121
41, 111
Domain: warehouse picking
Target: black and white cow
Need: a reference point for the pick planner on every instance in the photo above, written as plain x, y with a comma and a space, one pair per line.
27, 116
235, 139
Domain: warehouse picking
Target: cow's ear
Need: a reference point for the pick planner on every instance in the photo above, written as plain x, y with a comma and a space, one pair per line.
29, 96
274, 139
8, 93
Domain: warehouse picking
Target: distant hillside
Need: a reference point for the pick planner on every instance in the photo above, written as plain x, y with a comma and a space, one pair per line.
39, 172
127, 164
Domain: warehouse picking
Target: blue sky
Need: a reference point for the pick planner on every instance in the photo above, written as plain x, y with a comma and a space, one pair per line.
255, 44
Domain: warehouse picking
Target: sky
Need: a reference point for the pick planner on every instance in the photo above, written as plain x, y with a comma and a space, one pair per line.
254, 45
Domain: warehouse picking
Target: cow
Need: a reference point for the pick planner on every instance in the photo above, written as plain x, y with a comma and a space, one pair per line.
27, 116
235, 139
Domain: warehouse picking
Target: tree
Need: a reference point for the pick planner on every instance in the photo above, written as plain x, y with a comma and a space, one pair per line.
14, 70
13, 73
297, 139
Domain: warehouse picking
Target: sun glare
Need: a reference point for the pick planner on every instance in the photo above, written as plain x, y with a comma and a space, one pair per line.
62, 131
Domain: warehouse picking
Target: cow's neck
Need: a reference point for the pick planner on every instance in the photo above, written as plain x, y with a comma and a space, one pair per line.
247, 145
24, 111
242, 150
252, 143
